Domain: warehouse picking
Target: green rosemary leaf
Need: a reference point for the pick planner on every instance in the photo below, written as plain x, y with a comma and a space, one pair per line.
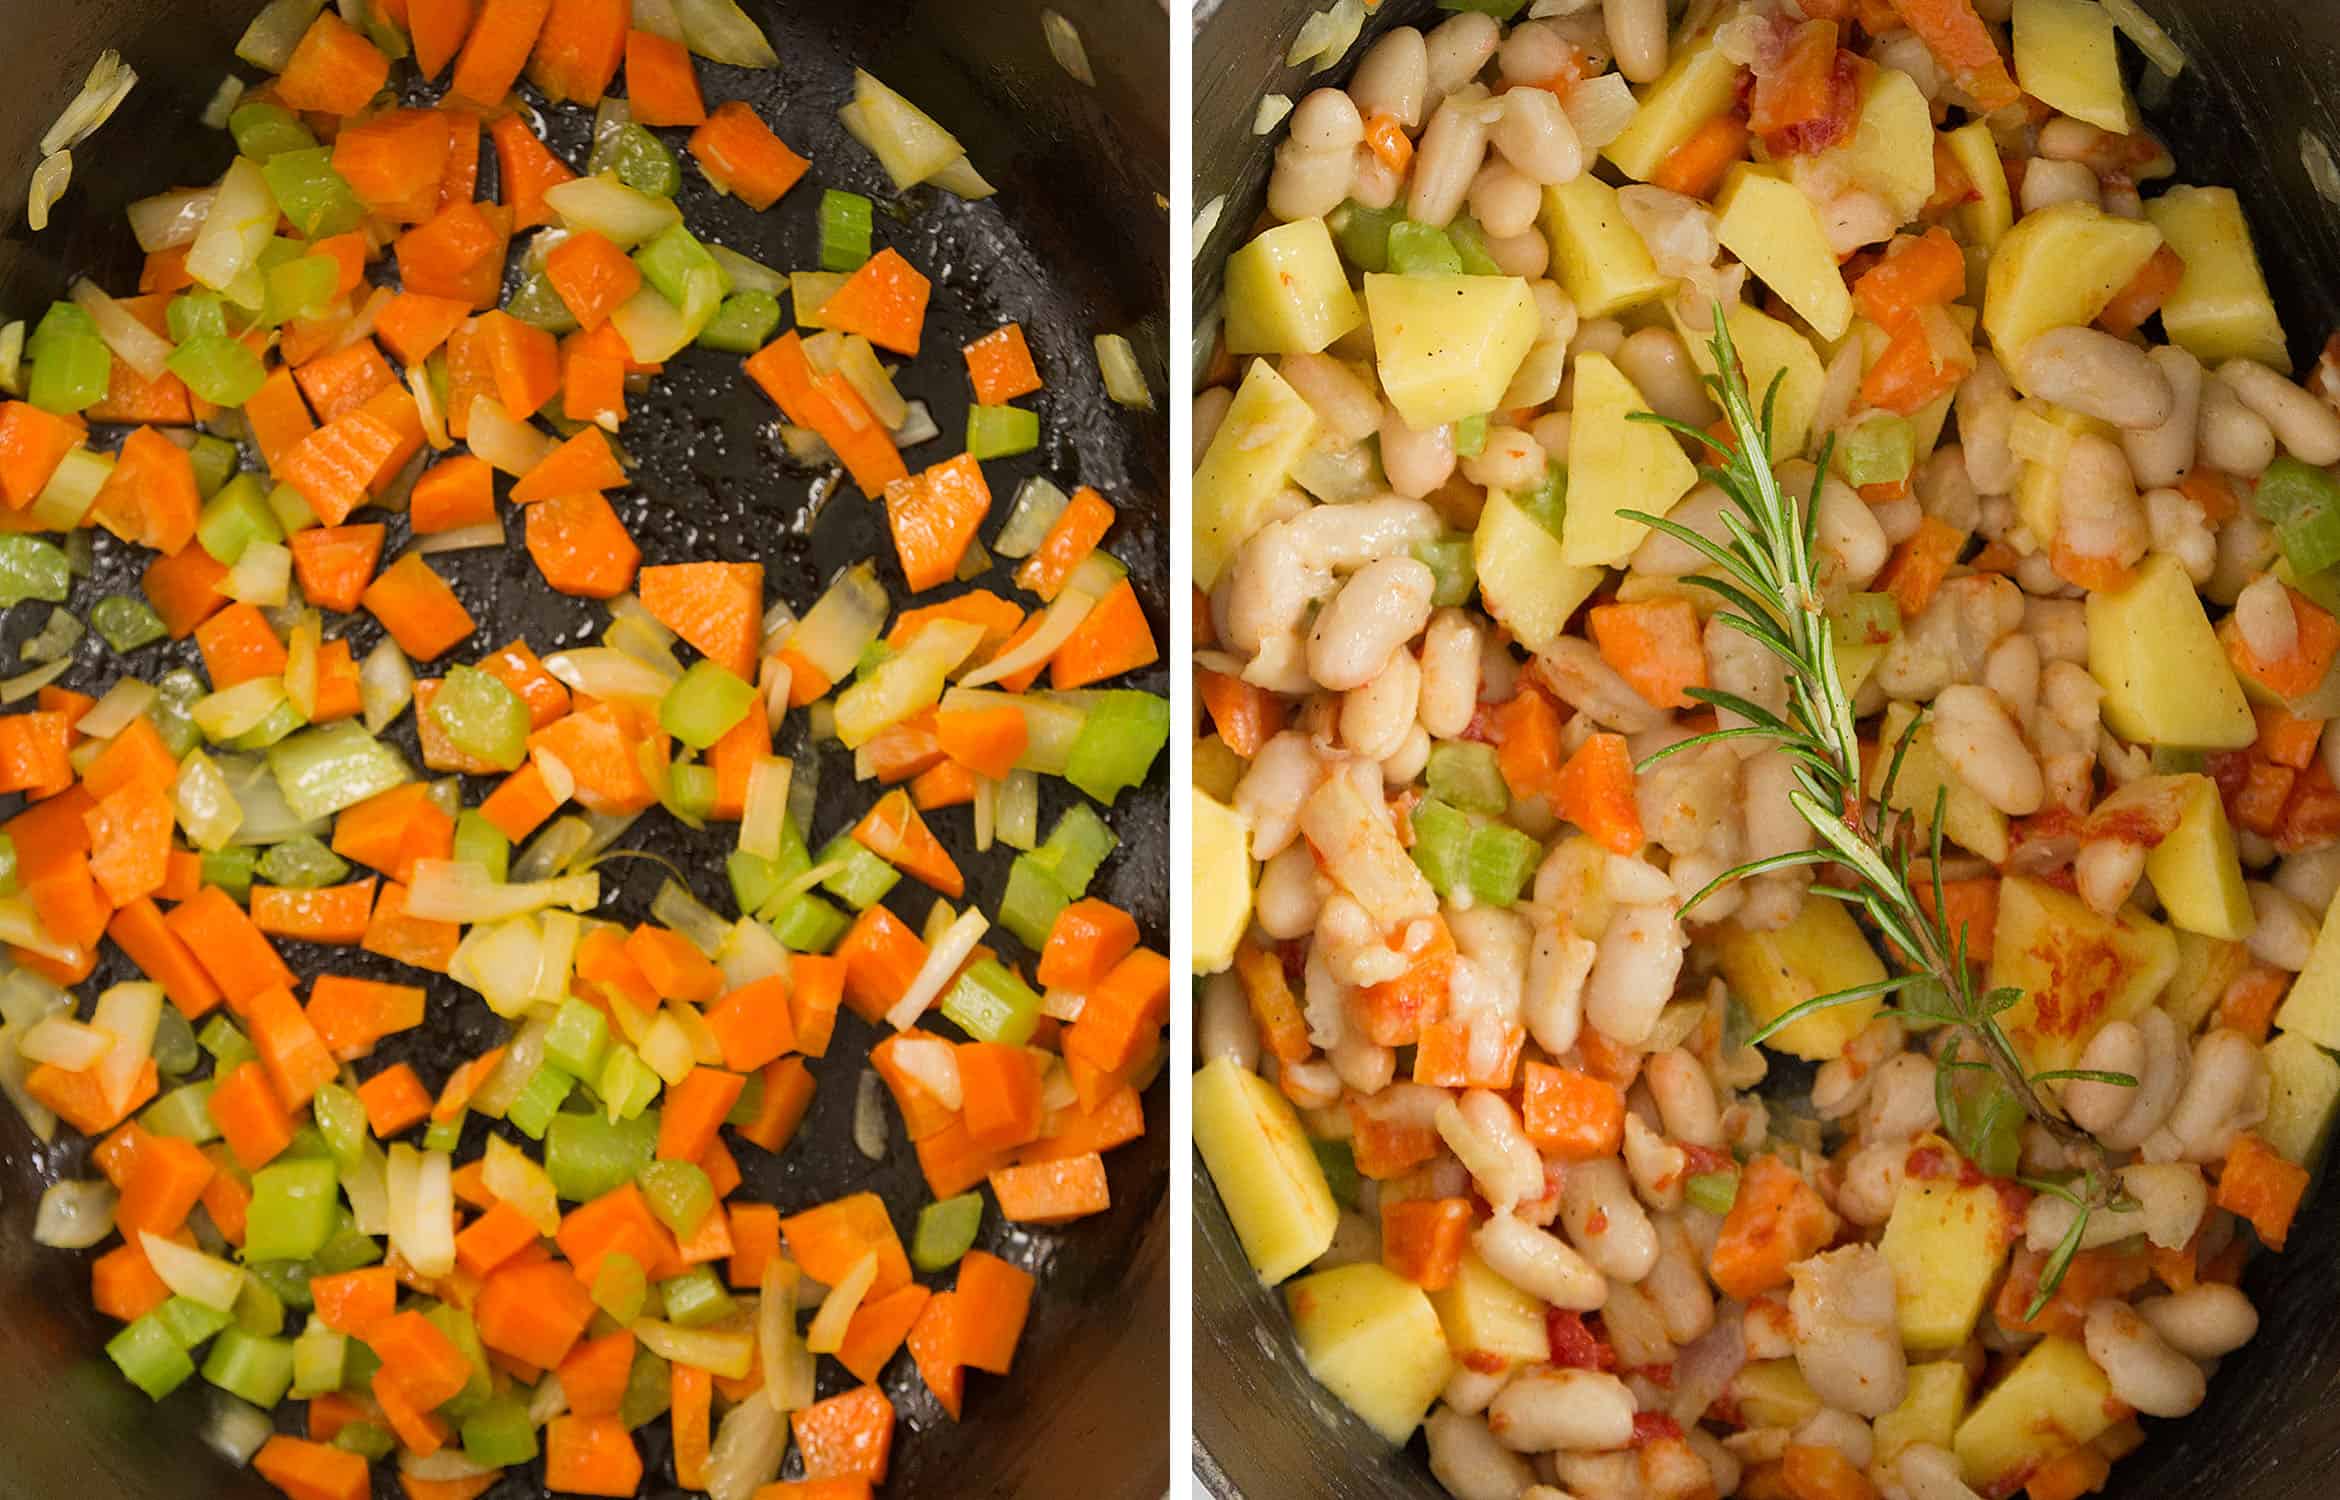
1830, 1001
2051, 1275
2091, 1075
1752, 868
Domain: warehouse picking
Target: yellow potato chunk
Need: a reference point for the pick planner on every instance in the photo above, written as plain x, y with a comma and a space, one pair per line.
2165, 679
2304, 1090
1286, 292
1770, 225
2059, 267
2067, 58
2197, 872
1524, 579
1930, 1413
1264, 1168
2312, 1009
1701, 83
1968, 819
1243, 473
1820, 952
1488, 1317
1370, 1337
1447, 346
2078, 970
1596, 255
1222, 881
1616, 463
1946, 1243
2054, 1399
2221, 309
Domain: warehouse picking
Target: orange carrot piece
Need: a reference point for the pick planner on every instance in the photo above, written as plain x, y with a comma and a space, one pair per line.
661, 86
594, 1375
395, 1102
351, 1015
1918, 566
592, 275
1915, 273
457, 491
139, 930
438, 28
418, 608
590, 1455
150, 498
691, 1398
335, 563
878, 1328
130, 845
353, 1301
458, 254
1655, 645
788, 1091
1089, 939
828, 1240
165, 1181
2260, 1186
397, 162
578, 52
882, 956
1052, 1192
245, 1108
2155, 283
413, 326
420, 941
716, 606
934, 1349
1000, 1085
1075, 534
334, 466
603, 751
526, 170
338, 383
1777, 1219
333, 70
828, 404
1954, 32
1111, 639
1571, 1114
304, 1470
693, 1111
987, 741
237, 955
999, 366
994, 1298
741, 156
32, 443
535, 1312
335, 914
1696, 167
933, 519
753, 1024
850, 1436
239, 645
893, 831
493, 55
884, 302
581, 547
582, 464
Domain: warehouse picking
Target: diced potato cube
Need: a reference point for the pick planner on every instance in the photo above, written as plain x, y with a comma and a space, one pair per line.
1930, 1413
2305, 1088
1596, 255
2066, 57
1820, 952
1992, 214
1768, 349
2165, 679
2078, 970
1774, 1393
1217, 768
1369, 1336
1243, 473
2206, 966
1487, 1317
2196, 871
1447, 346
1891, 152
1946, 1244
2058, 267
2313, 1007
1968, 819
1616, 463
2054, 1399
1769, 224
1264, 1168
1525, 581
1701, 83
2221, 309
1222, 882
1286, 292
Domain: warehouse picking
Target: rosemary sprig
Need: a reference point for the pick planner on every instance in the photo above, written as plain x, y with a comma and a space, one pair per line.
1770, 583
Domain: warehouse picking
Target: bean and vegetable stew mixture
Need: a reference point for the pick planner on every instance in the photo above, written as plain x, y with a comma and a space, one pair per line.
389, 328
1767, 623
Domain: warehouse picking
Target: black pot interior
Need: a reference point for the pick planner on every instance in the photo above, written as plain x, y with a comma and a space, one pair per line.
2264, 83
1074, 245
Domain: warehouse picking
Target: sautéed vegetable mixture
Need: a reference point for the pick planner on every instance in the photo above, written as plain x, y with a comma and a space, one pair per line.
1766, 624
357, 351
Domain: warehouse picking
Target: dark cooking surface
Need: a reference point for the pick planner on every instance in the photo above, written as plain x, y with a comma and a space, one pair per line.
2263, 72
1074, 245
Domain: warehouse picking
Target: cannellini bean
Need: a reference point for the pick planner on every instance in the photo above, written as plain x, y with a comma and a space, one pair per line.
1872, 1179
1291, 893
1635, 1329
2234, 437
1545, 1409
1469, 1391
1534, 52
2059, 182
2180, 529
1597, 1476
1661, 369
1685, 1098
1509, 460
1450, 673
1724, 1471
1677, 1285
1504, 200
1344, 403
1540, 1263
1373, 182
1841, 1430
1225, 1027
1383, 605
1662, 555
2148, 1050
2264, 616
1986, 415
1558, 963
2161, 455
1457, 48
1270, 795
2285, 931
1606, 1222
1446, 159
1364, 1066
1981, 743
1210, 410
1535, 135
1393, 77
2094, 373
1573, 668
1288, 565
1656, 1166
1309, 184
2171, 1199
2143, 1371
1402, 768
2311, 877
1375, 717
1931, 1473
1466, 1458
2225, 1092
1526, 254
2011, 672
2208, 1320
1633, 976
1637, 30
1415, 460
1848, 1343
1901, 1099
1484, 1132
2101, 515
2308, 429
2246, 548
1326, 120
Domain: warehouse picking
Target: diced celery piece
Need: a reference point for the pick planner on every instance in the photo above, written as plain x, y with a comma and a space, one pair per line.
1450, 563
258, 1369
1470, 435
214, 459
808, 924
369, 1440
649, 1390
587, 1156
499, 1434
150, 1358
991, 1004
1120, 738
539, 1100
671, 259
705, 705
32, 569
679, 1193
1464, 774
1077, 846
538, 304
946, 1231
303, 864
643, 162
220, 370
845, 221
482, 717
479, 842
619, 1287
1001, 431
690, 792
231, 870
183, 1114
291, 1212
864, 881
320, 1358
1029, 905
1502, 859
192, 1323
628, 1084
195, 313
321, 771
696, 1298
743, 324
1470, 245
228, 1046
341, 1120
125, 622
263, 130
1363, 234
1442, 845
1422, 250
579, 1038
175, 1052
72, 373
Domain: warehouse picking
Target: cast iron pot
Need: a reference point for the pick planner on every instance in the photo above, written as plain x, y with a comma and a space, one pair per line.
2264, 84
1075, 244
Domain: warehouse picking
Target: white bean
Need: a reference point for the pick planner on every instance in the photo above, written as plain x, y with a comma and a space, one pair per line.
1405, 767
1374, 183
1848, 1342
1466, 1458
1327, 120
1534, 52
1633, 977
1685, 1098
1548, 1409
2047, 181
1309, 184
1468, 1390
1383, 605
1415, 460
1841, 1430
2098, 375
1393, 77
1981, 743
1375, 717
1271, 794
1457, 48
2285, 930
2101, 514
1637, 30
1504, 201
1553, 998
1510, 1171
2117, 1047
2225, 1092
2308, 429
2312, 876
1658, 1168
1660, 368
2160, 456
1535, 135
1526, 254
1509, 460
1225, 1027
1850, 540
2143, 1371
1291, 893
2208, 1320
1446, 159
1677, 1284
1931, 1473
1901, 1099
2234, 437
1540, 1263
1344, 403
1986, 415
1606, 1222
1449, 699
1210, 409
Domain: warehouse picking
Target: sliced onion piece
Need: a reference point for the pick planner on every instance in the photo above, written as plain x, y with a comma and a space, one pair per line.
133, 343
49, 181
609, 208
908, 142
129, 1013
604, 672
749, 1443
788, 1365
242, 221
1124, 381
453, 890
508, 444
730, 1353
1039, 501
514, 1178
422, 1208
63, 1042
462, 538
719, 31
942, 961
385, 685
169, 220
1600, 109
869, 1115
191, 1274
75, 1215
827, 1333
842, 623
109, 82
113, 713
235, 1429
